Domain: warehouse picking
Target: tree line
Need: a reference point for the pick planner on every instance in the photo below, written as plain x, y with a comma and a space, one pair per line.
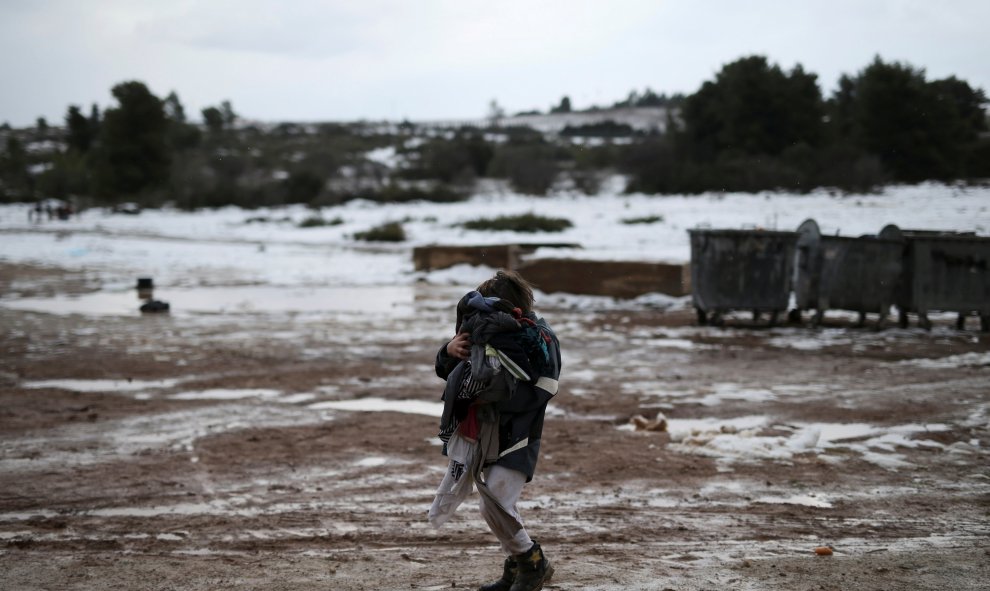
754, 127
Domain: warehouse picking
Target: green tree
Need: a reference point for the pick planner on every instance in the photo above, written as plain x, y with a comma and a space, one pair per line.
495, 114
181, 135
918, 129
753, 108
174, 109
95, 120
67, 176
219, 118
651, 99
79, 132
213, 118
563, 107
229, 116
16, 183
133, 154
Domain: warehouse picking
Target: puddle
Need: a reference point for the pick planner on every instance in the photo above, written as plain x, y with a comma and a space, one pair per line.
297, 398
223, 394
730, 391
416, 407
122, 385
391, 300
803, 500
671, 343
84, 444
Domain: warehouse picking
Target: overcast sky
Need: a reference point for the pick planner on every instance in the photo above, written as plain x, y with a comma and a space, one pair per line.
310, 60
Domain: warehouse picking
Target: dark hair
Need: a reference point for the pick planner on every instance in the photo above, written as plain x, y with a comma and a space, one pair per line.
509, 286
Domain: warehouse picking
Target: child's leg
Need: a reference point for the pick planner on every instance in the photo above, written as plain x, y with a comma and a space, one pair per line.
506, 485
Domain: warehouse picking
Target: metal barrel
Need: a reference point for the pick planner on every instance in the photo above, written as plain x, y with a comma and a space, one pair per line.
740, 270
944, 272
846, 273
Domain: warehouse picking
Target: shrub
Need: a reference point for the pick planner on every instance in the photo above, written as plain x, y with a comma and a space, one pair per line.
530, 168
263, 219
393, 193
528, 222
398, 194
388, 232
653, 165
465, 155
318, 222
588, 182
643, 220
607, 128
302, 187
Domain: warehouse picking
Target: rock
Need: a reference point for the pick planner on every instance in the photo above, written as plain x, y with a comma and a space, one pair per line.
154, 307
643, 424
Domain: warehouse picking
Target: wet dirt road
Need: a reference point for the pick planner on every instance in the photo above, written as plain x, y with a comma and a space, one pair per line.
279, 450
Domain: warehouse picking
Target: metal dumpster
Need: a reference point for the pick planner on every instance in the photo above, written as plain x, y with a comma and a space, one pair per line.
740, 270
945, 272
845, 273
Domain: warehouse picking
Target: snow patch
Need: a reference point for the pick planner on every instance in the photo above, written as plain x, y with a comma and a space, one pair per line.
226, 394
433, 409
808, 500
973, 359
112, 385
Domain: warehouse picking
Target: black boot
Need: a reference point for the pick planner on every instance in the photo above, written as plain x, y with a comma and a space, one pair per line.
534, 570
509, 570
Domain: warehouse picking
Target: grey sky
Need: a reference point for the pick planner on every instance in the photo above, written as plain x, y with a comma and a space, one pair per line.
308, 60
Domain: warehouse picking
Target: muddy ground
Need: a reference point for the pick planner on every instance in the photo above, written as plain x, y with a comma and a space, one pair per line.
204, 452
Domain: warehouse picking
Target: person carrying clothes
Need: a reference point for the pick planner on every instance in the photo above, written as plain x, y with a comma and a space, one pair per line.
501, 369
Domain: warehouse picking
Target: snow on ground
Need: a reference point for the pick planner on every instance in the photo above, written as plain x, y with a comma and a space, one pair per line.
234, 261
231, 246
102, 385
743, 440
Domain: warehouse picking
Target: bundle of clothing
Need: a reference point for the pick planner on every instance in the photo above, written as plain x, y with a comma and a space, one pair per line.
507, 348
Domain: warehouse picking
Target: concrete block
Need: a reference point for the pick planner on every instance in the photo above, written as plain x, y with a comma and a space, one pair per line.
497, 256
618, 279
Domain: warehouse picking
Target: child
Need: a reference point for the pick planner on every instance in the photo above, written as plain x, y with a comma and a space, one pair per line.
501, 369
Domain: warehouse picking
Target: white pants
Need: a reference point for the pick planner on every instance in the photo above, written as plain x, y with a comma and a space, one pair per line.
506, 485
503, 483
